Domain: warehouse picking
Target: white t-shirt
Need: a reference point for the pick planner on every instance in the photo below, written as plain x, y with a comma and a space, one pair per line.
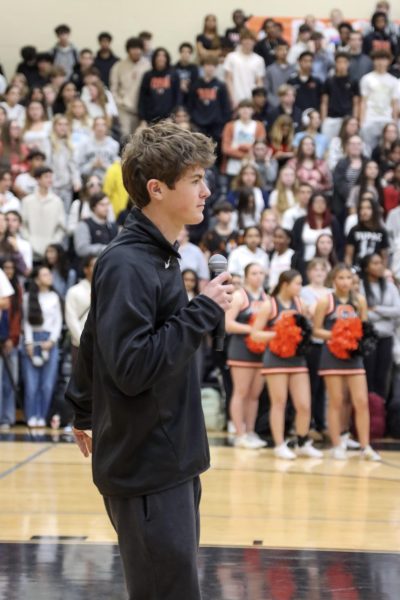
249, 220
379, 90
291, 215
242, 256
309, 237
26, 182
14, 113
243, 133
245, 70
278, 264
6, 289
9, 202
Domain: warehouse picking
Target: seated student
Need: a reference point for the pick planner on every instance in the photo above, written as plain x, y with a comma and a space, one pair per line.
43, 215
388, 165
99, 152
208, 102
368, 181
281, 138
7, 199
160, 89
287, 99
261, 105
14, 225
310, 169
93, 234
13, 152
248, 252
390, 134
303, 194
85, 62
337, 146
266, 165
192, 258
15, 111
188, 72
391, 194
222, 238
283, 196
340, 98
248, 177
311, 121
308, 88
238, 138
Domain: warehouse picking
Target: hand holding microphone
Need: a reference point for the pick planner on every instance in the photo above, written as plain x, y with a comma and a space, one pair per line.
220, 290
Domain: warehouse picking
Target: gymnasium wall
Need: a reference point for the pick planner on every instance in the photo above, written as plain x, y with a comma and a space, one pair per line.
24, 22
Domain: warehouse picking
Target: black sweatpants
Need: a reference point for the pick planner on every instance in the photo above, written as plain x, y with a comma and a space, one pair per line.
378, 366
317, 387
158, 538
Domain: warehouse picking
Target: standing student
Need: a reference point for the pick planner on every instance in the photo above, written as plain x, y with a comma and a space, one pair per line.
317, 273
281, 258
42, 330
383, 300
339, 373
66, 176
160, 89
369, 236
136, 383
285, 375
10, 325
188, 72
244, 364
105, 59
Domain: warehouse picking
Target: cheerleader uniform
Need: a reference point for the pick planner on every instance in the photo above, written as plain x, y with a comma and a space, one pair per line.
329, 364
238, 353
272, 363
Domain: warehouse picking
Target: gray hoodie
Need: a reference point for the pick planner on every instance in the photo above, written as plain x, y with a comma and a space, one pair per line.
386, 311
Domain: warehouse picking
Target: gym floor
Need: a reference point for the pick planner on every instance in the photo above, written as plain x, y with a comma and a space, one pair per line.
271, 530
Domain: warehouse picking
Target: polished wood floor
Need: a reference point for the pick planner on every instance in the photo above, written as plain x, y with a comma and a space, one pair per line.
249, 498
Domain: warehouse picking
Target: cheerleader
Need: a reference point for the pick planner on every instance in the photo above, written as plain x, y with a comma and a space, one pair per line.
244, 364
343, 373
285, 375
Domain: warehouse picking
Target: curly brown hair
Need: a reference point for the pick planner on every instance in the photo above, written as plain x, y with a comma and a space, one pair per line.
163, 151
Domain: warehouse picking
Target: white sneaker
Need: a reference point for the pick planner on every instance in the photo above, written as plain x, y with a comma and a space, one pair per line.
369, 454
231, 427
37, 361
243, 441
338, 453
284, 452
252, 435
348, 443
32, 422
41, 423
308, 451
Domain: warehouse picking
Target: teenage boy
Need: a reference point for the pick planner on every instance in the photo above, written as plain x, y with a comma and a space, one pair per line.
340, 97
92, 235
86, 60
278, 72
360, 63
244, 69
125, 80
105, 58
43, 215
64, 54
233, 33
308, 88
379, 99
188, 72
261, 105
287, 106
136, 384
208, 101
26, 183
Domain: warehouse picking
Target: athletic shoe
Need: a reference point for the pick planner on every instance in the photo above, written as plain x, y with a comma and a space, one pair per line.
348, 443
369, 454
284, 452
37, 361
41, 423
243, 441
252, 435
32, 422
308, 451
231, 428
338, 453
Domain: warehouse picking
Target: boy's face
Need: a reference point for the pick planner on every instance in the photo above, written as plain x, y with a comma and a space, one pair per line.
105, 44
186, 55
259, 100
281, 52
342, 65
209, 71
46, 180
306, 64
63, 39
185, 203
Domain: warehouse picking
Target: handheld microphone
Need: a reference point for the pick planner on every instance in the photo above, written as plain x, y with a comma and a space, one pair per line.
217, 265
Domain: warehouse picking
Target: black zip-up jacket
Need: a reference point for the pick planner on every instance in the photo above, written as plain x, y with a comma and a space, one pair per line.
136, 383
209, 103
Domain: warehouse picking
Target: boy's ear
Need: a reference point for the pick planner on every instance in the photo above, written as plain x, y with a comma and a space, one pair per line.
154, 189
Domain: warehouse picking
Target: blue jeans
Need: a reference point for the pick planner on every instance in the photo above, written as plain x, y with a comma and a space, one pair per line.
7, 393
39, 382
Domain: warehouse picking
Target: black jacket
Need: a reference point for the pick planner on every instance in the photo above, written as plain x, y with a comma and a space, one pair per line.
136, 382
104, 65
341, 188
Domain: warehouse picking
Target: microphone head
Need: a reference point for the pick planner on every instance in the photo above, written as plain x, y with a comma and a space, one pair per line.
218, 264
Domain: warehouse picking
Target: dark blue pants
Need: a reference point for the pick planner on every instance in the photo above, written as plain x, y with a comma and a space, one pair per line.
158, 538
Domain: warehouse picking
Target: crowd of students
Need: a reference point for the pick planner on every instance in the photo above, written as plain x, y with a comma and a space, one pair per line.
307, 176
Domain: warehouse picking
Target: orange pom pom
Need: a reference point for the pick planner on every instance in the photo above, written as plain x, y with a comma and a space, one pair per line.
346, 336
288, 336
252, 345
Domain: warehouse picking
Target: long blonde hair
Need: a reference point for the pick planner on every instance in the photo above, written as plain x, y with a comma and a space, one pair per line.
276, 135
86, 121
55, 140
282, 203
